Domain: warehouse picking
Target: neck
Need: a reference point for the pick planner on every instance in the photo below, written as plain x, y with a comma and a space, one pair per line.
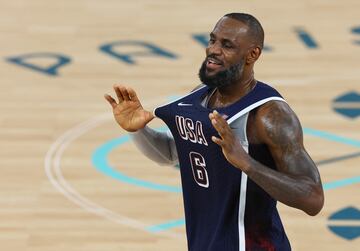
229, 94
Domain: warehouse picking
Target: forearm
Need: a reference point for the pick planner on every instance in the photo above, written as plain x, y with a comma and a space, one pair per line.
293, 190
157, 146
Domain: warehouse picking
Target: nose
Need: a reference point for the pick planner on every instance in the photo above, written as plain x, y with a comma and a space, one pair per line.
213, 48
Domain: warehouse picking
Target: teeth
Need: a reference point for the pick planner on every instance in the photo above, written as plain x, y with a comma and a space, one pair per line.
212, 61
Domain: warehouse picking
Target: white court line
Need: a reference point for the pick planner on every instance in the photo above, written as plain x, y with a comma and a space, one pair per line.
54, 174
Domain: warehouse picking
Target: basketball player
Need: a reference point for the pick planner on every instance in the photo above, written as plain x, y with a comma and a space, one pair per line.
238, 143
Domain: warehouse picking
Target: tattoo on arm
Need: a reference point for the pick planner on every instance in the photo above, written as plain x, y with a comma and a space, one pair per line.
296, 182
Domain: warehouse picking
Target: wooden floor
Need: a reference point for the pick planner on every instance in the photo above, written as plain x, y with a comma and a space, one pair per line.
72, 180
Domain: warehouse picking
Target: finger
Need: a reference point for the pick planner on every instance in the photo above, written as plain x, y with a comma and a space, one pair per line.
118, 93
124, 93
216, 121
217, 127
220, 117
217, 141
132, 95
111, 101
221, 126
127, 94
224, 116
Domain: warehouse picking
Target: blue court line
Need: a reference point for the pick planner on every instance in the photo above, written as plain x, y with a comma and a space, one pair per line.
341, 183
332, 137
166, 225
99, 160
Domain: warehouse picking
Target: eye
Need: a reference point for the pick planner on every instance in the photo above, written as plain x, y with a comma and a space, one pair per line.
228, 45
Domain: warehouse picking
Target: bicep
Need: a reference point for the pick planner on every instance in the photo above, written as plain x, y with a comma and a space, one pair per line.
281, 131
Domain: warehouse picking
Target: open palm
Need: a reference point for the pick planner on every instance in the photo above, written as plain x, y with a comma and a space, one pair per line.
128, 111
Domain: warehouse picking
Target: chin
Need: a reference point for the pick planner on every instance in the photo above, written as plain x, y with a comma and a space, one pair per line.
211, 73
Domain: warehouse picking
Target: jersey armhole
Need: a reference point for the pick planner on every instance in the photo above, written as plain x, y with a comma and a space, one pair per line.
253, 106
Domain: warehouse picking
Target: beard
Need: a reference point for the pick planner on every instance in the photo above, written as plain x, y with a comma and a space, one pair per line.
223, 78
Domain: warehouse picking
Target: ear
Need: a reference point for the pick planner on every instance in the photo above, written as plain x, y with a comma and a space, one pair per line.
253, 55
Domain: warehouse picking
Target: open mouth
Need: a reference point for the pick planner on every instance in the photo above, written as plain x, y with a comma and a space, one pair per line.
212, 63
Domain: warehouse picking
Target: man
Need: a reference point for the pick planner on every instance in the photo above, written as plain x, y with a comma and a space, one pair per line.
239, 145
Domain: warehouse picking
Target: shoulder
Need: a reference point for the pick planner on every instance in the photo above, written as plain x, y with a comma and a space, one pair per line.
277, 124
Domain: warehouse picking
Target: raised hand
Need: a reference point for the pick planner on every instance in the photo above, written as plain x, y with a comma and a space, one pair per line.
128, 111
229, 143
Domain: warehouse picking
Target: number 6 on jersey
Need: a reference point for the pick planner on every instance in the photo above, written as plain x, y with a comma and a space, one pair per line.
198, 167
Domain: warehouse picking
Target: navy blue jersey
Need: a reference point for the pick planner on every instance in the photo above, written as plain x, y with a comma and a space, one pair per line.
224, 210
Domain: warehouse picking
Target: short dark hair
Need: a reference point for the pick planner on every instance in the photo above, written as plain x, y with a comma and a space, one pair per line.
255, 29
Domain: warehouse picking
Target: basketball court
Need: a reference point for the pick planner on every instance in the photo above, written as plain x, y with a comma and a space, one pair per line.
71, 179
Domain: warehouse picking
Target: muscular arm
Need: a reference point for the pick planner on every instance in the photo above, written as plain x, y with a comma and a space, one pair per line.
296, 182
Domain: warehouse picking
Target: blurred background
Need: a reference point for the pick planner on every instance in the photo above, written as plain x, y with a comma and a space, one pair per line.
71, 179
